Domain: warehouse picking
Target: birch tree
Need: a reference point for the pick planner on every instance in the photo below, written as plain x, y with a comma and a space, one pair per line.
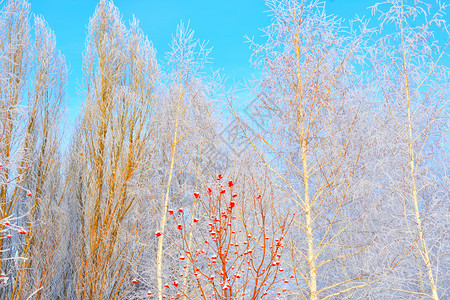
407, 63
312, 143
185, 135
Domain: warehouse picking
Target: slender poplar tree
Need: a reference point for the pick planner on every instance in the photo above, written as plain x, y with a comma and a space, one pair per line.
111, 144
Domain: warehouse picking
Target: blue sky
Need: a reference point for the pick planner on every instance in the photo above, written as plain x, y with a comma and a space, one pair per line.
221, 22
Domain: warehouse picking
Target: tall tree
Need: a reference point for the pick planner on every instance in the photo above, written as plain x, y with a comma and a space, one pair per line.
185, 132
32, 108
406, 58
312, 144
120, 76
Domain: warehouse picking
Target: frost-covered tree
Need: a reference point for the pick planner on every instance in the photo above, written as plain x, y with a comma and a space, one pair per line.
312, 140
33, 75
406, 55
107, 154
184, 139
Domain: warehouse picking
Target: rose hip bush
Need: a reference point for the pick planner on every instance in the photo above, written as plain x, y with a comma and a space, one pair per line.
230, 248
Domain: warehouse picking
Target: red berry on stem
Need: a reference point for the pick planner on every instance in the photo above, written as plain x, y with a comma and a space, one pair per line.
196, 195
230, 183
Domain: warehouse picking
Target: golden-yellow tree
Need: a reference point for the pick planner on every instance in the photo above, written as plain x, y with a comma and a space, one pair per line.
32, 94
108, 152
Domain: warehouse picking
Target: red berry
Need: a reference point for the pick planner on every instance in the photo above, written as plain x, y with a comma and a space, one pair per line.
29, 195
7, 223
180, 210
219, 177
22, 232
175, 284
230, 183
209, 191
8, 236
149, 293
180, 226
171, 211
195, 220
158, 234
182, 258
196, 195
134, 281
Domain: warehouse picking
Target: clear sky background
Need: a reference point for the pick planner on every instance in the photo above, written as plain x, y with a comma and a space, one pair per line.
223, 23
